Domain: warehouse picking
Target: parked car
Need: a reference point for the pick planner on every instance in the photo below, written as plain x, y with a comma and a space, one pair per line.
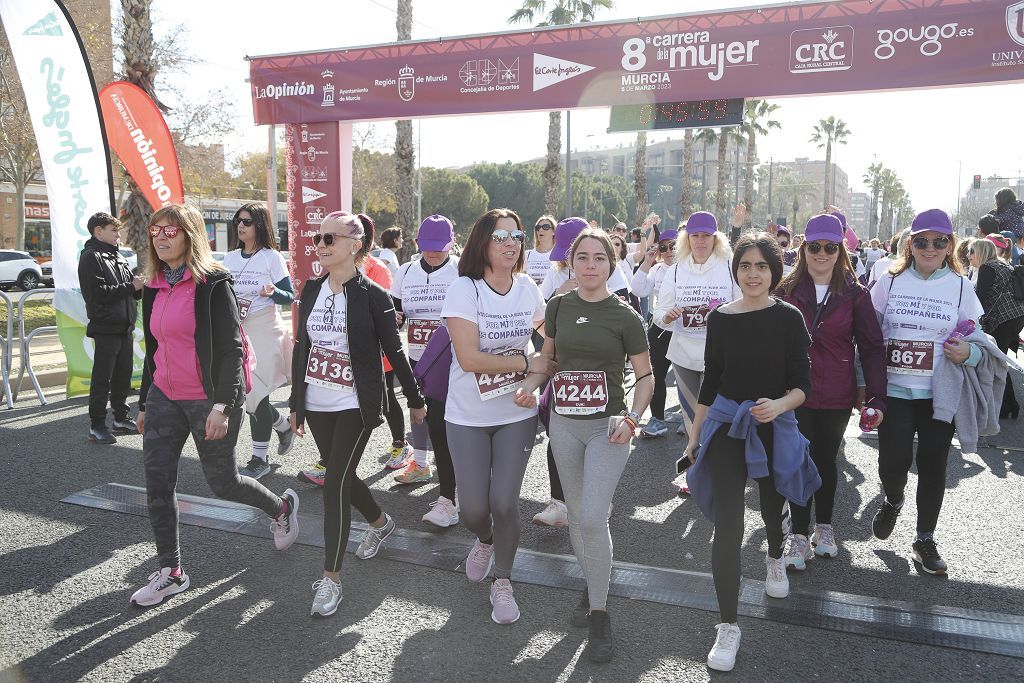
19, 269
47, 268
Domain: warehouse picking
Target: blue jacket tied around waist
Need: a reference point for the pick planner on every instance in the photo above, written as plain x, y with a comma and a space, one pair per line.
793, 471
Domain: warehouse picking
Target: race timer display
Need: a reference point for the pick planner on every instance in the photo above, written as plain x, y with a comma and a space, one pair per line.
667, 115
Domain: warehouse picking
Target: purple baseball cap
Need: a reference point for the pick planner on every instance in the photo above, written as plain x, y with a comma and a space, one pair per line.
668, 235
701, 221
783, 228
824, 227
436, 233
566, 233
932, 219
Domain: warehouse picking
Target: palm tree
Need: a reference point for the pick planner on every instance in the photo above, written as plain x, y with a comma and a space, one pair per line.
873, 179
405, 153
562, 12
757, 121
725, 135
686, 186
890, 186
640, 177
828, 132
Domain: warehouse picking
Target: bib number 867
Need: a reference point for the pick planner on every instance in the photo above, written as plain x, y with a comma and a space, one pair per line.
908, 358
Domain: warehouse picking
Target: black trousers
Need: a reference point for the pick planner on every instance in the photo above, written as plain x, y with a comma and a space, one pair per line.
660, 365
824, 428
896, 454
393, 412
1006, 336
111, 376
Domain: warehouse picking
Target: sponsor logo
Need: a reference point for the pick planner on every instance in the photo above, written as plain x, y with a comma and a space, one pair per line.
508, 74
1015, 22
478, 72
692, 50
406, 83
310, 195
821, 49
318, 269
47, 26
581, 320
927, 38
314, 173
274, 92
548, 71
315, 215
312, 153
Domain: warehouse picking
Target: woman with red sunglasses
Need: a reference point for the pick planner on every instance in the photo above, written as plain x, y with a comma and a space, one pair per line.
838, 313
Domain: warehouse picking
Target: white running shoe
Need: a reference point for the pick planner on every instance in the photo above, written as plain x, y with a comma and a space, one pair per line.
442, 513
286, 529
374, 539
798, 552
723, 653
824, 541
776, 583
160, 587
480, 561
555, 514
326, 599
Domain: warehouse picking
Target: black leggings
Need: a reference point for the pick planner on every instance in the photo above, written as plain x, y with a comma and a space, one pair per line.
555, 482
824, 428
728, 468
393, 410
1006, 336
903, 419
660, 365
261, 423
438, 432
341, 438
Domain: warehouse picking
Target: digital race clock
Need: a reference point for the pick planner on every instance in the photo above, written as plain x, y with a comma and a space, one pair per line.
666, 115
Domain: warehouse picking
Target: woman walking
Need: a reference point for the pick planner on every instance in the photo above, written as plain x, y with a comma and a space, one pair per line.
538, 262
193, 383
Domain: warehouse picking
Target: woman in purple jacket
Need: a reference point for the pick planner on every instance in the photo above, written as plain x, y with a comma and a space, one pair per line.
839, 315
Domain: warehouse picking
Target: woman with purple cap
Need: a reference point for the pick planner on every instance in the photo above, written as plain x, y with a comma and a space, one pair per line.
491, 311
851, 241
698, 281
646, 282
842, 323
784, 236
921, 301
419, 291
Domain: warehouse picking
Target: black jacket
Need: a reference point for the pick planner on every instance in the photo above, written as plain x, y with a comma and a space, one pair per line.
371, 328
108, 290
218, 341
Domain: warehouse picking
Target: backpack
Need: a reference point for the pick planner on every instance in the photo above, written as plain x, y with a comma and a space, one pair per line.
1017, 282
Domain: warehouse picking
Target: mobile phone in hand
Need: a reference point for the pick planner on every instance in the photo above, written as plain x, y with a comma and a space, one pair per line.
683, 463
613, 424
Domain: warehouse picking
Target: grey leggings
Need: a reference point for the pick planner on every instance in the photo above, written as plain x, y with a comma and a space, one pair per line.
590, 468
490, 463
688, 387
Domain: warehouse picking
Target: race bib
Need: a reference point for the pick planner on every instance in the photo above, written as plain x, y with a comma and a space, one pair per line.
906, 357
579, 393
243, 308
492, 386
420, 331
330, 369
694, 317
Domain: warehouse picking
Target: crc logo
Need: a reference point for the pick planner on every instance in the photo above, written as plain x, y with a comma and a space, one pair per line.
315, 215
929, 37
821, 49
1015, 22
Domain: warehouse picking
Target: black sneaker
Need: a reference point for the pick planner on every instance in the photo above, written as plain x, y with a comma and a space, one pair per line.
885, 520
285, 441
124, 427
927, 555
579, 615
599, 640
100, 434
256, 468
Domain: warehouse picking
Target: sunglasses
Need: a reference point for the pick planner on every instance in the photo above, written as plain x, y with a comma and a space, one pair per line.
666, 247
923, 242
170, 231
544, 226
499, 236
783, 243
247, 222
831, 248
330, 238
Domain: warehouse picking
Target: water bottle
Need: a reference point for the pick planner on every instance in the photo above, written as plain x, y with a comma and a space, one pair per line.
868, 416
963, 329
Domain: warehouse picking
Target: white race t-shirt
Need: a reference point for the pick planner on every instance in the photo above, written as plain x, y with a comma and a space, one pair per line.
422, 295
693, 287
879, 267
871, 255
264, 267
557, 277
506, 323
389, 258
332, 337
537, 265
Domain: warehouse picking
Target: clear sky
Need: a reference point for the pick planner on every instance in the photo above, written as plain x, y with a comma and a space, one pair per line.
924, 136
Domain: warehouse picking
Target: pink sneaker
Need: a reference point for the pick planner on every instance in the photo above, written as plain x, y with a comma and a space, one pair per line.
480, 561
505, 611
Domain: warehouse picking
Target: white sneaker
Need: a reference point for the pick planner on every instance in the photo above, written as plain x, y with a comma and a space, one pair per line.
326, 599
798, 552
442, 513
374, 539
286, 529
824, 541
160, 587
776, 583
723, 653
555, 514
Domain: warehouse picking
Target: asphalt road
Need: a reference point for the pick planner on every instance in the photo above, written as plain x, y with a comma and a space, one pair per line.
66, 574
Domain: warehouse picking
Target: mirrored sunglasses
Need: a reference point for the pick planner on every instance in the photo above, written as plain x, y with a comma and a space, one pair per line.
170, 231
499, 236
923, 242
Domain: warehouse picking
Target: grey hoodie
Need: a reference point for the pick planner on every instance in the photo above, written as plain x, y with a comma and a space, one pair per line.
971, 395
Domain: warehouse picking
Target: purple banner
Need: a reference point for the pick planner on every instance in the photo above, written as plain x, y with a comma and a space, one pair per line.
774, 51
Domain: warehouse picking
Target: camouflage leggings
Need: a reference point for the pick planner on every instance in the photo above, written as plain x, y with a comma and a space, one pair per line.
167, 427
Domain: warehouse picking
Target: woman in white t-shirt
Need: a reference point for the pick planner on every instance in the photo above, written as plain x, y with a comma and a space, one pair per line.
261, 285
390, 243
537, 262
491, 312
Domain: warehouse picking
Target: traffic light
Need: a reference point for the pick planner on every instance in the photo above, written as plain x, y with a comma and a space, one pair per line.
977, 182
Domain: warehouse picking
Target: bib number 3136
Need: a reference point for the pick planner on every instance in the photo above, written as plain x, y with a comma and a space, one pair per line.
908, 357
492, 386
579, 393
330, 369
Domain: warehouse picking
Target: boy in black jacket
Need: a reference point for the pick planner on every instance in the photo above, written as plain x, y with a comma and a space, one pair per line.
110, 291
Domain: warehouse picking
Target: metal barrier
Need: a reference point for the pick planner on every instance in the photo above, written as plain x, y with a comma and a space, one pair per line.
25, 341
5, 351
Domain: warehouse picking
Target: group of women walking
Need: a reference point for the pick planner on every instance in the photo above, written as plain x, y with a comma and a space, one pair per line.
768, 369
